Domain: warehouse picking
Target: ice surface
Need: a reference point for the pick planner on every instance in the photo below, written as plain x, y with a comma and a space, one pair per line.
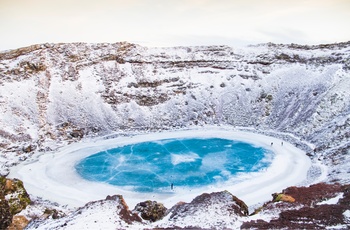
54, 177
155, 166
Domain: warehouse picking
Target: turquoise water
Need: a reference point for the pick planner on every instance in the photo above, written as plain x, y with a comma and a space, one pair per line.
154, 166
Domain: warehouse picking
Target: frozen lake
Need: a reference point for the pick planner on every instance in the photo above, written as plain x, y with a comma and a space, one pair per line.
54, 176
158, 166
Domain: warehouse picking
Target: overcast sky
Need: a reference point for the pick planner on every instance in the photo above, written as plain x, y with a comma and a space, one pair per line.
173, 22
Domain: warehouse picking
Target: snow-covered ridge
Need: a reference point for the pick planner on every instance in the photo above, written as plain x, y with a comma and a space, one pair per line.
53, 93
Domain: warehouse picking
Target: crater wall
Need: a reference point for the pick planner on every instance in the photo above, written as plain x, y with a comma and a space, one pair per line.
54, 93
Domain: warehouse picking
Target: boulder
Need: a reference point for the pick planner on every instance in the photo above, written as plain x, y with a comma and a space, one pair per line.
16, 195
77, 133
151, 210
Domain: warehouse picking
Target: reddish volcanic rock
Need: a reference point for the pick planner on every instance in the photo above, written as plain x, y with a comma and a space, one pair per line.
314, 193
308, 211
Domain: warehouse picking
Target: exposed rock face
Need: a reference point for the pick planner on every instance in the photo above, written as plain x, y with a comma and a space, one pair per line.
309, 211
151, 210
214, 210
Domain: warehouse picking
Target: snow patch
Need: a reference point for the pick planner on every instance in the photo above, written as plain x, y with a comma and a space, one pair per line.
183, 158
333, 200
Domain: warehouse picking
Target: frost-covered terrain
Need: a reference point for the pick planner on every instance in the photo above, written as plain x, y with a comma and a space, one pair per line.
55, 94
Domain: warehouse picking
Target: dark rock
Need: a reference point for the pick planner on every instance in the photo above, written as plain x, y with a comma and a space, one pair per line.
78, 133
151, 210
5, 214
53, 213
29, 148
145, 100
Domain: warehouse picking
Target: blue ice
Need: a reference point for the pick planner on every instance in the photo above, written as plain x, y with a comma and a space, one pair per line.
154, 166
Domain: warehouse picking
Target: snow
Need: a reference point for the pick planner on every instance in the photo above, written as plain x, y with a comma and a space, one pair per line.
346, 215
178, 159
98, 215
53, 177
333, 200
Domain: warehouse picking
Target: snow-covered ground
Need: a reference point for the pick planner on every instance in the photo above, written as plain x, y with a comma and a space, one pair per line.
53, 176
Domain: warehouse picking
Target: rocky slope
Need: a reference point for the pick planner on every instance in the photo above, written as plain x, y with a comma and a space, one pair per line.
52, 94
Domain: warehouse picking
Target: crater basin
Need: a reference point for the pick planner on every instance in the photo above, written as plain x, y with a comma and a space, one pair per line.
161, 165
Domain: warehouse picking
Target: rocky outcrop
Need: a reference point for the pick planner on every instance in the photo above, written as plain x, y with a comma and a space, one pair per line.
15, 194
13, 199
214, 210
314, 207
103, 214
150, 210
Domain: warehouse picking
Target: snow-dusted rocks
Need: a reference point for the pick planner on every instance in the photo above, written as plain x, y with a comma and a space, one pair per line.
218, 210
316, 207
111, 213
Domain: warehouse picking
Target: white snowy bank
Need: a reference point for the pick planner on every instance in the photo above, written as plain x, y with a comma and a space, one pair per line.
52, 176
